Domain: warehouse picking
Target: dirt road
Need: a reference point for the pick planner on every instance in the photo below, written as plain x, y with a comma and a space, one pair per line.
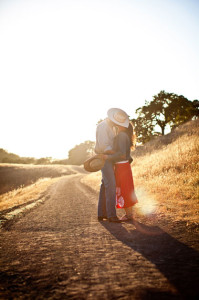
59, 250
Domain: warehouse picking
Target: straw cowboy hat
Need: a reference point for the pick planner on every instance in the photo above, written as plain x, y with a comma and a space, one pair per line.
94, 163
118, 116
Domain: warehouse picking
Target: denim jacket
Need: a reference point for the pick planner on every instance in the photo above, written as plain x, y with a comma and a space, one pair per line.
121, 146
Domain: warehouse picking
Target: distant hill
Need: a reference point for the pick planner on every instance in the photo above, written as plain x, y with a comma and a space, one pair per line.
11, 158
187, 129
6, 157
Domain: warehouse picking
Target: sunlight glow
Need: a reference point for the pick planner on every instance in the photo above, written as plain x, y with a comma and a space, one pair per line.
65, 63
146, 205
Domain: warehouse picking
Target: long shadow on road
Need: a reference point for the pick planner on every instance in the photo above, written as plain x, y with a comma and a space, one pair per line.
176, 261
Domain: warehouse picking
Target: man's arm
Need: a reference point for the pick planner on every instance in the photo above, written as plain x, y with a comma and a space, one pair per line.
103, 141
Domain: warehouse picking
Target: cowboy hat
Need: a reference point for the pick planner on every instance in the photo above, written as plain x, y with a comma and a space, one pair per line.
95, 163
118, 116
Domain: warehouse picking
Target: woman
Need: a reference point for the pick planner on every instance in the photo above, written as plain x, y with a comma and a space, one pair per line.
125, 194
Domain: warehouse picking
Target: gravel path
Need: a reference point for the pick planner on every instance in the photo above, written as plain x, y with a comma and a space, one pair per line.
59, 250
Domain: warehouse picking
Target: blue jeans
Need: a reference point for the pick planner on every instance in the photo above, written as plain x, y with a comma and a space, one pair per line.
107, 195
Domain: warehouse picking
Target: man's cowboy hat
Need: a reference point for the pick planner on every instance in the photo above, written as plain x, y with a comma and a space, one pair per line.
94, 163
118, 116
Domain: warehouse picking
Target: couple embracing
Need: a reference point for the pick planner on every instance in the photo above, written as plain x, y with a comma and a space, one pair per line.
114, 140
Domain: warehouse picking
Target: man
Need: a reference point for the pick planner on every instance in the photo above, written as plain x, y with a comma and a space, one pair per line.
105, 133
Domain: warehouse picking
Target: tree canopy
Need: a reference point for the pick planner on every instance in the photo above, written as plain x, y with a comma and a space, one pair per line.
80, 153
166, 110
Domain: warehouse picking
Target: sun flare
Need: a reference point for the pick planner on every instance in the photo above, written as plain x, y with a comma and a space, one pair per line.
65, 63
147, 204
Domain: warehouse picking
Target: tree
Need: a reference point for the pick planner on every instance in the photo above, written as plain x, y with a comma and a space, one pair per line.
44, 161
80, 153
196, 108
6, 157
166, 109
143, 133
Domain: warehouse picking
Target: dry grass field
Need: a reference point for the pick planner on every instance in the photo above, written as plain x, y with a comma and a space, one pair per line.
166, 175
13, 176
21, 184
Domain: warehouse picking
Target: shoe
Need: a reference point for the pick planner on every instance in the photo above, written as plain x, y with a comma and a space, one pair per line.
114, 219
126, 218
102, 218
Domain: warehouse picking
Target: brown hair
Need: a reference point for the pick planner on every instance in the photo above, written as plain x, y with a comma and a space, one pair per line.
131, 134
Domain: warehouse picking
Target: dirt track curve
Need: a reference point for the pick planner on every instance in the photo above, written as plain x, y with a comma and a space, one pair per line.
59, 250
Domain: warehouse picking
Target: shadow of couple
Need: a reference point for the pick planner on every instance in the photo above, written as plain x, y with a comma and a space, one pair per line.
178, 262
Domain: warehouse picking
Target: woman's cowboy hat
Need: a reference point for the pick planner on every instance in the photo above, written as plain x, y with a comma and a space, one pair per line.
118, 116
94, 163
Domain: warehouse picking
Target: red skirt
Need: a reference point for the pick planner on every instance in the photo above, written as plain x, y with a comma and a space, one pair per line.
125, 194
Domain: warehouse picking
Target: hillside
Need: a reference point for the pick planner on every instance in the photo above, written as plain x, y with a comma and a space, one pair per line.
188, 129
166, 175
11, 158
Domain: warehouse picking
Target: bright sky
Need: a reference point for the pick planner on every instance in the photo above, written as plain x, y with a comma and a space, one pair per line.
64, 63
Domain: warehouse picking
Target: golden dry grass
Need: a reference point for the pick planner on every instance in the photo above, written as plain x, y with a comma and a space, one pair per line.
171, 175
13, 176
25, 194
167, 180
21, 184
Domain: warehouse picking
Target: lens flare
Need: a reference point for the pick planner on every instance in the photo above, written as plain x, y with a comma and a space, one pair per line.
146, 204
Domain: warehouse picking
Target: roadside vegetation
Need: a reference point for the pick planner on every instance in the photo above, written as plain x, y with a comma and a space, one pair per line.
22, 184
24, 195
